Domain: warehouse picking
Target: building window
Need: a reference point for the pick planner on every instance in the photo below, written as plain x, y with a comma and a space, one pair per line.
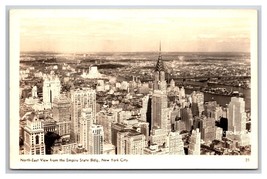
37, 139
38, 151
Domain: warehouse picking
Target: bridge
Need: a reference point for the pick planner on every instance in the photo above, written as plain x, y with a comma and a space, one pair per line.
199, 78
208, 77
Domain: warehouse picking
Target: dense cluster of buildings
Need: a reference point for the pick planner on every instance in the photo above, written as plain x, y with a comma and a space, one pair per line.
131, 118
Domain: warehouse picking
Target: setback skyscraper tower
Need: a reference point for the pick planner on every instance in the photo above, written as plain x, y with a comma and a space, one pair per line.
51, 89
159, 113
236, 115
80, 99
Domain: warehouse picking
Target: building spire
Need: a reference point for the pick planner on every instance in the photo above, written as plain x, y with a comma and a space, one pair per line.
159, 65
159, 48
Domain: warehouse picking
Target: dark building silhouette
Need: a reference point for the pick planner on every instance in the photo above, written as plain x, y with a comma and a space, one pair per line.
224, 125
195, 110
196, 122
115, 128
148, 113
50, 138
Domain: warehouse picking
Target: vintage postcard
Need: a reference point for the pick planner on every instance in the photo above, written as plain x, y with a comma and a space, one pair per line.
129, 88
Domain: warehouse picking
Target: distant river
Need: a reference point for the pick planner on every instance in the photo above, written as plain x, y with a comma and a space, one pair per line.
223, 100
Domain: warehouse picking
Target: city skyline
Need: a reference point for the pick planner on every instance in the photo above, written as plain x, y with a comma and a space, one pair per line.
127, 118
134, 30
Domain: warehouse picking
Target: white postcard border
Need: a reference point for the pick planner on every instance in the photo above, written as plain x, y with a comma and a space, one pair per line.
124, 162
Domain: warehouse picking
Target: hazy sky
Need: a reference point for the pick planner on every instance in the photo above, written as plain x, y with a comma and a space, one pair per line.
130, 30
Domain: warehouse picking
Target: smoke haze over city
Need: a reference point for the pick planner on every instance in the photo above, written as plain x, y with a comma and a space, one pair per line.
131, 30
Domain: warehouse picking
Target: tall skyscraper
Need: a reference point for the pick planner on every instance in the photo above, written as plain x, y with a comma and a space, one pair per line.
62, 115
212, 109
51, 89
159, 110
236, 115
96, 139
143, 110
159, 75
187, 117
106, 119
197, 103
149, 113
208, 131
80, 99
194, 145
85, 127
34, 136
174, 116
159, 106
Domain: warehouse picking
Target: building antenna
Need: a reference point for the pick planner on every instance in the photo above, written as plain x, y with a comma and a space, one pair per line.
159, 48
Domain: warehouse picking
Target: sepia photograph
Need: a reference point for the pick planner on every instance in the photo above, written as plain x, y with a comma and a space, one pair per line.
134, 88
